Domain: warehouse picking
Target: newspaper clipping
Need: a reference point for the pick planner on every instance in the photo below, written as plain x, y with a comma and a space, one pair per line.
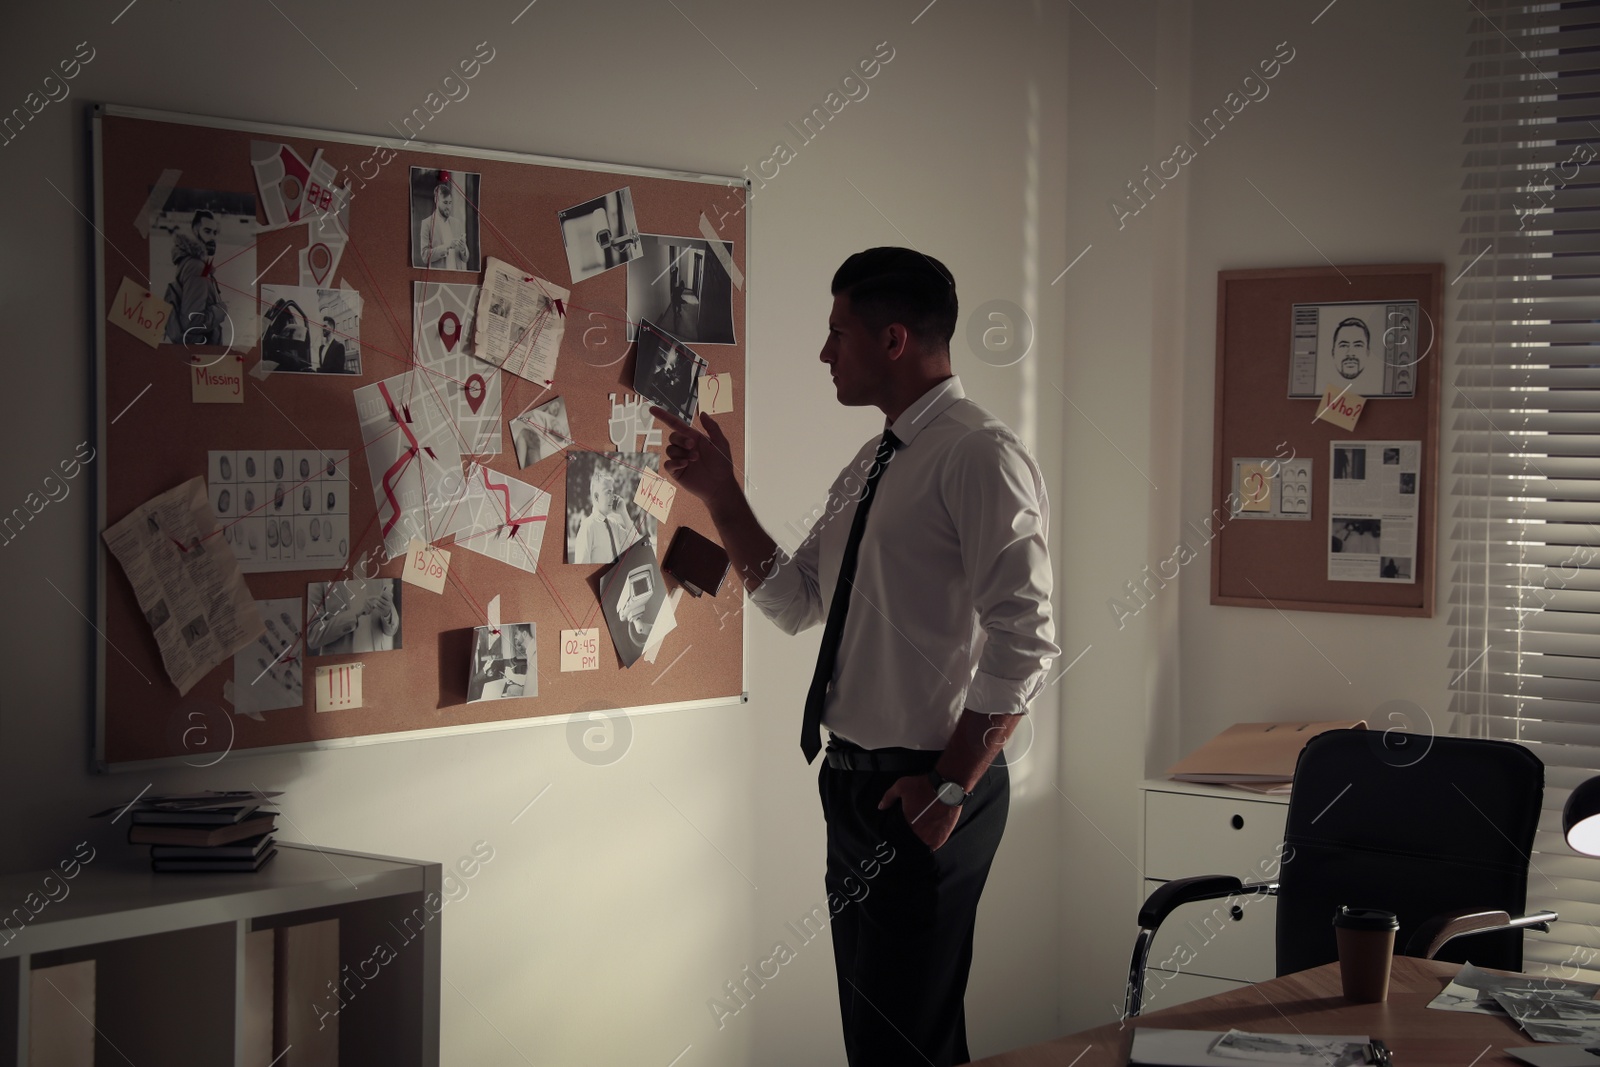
519, 322
187, 582
1372, 511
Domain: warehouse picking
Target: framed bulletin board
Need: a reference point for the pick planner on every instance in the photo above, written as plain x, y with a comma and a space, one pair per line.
290, 317
1325, 461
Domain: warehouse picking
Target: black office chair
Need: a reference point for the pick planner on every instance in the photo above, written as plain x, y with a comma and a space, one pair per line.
1435, 829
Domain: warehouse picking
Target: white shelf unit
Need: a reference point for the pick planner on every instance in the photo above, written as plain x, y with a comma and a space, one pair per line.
169, 952
1210, 946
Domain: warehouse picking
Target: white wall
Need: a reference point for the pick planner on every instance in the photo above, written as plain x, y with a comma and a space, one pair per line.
620, 904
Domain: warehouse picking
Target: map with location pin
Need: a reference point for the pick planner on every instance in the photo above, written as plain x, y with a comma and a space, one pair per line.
442, 333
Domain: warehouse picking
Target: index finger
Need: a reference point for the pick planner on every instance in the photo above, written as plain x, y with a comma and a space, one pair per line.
672, 420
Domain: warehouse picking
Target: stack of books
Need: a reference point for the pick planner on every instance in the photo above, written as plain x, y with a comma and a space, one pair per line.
211, 831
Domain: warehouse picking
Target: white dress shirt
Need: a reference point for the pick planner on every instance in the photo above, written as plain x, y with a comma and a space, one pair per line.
951, 607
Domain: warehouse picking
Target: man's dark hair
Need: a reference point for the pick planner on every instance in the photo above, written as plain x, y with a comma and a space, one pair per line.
198, 215
1353, 321
329, 320
887, 285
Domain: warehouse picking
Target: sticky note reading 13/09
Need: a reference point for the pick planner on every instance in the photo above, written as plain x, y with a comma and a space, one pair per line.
580, 649
139, 313
426, 567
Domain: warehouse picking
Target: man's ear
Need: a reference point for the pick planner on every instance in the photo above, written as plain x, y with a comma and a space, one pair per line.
896, 339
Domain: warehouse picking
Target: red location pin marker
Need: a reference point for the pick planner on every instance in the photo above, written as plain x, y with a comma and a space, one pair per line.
320, 258
449, 331
476, 391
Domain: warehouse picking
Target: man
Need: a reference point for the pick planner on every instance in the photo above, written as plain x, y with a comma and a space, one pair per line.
939, 635
330, 356
442, 247
1350, 351
198, 311
355, 616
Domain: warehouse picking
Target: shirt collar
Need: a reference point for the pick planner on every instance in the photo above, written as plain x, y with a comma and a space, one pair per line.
926, 408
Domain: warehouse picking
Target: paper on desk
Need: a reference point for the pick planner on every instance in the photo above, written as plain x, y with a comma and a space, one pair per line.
1559, 1056
519, 323
1473, 990
1547, 1015
186, 581
1207, 1048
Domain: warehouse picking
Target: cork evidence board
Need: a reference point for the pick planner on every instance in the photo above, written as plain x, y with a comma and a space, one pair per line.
1344, 518
340, 264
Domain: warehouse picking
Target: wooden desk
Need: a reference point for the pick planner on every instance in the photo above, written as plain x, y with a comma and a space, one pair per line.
1311, 1003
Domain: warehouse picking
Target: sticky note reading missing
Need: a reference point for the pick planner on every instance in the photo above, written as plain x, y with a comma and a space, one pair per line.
580, 649
339, 687
1255, 487
426, 567
716, 393
136, 311
221, 382
1341, 408
655, 494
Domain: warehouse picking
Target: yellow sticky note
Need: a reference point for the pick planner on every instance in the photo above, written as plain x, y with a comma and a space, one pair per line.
1342, 408
141, 314
716, 393
426, 567
339, 687
219, 382
580, 649
655, 494
1255, 487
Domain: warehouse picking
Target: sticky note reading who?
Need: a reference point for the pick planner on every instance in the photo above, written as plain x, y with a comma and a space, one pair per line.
580, 649
1341, 408
141, 314
426, 567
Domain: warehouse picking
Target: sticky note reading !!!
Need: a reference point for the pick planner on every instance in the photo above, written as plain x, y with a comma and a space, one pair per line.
1255, 487
426, 567
139, 313
1341, 408
221, 382
716, 393
339, 687
580, 649
655, 494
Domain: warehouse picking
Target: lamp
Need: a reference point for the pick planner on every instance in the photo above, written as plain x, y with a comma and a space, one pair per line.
1580, 818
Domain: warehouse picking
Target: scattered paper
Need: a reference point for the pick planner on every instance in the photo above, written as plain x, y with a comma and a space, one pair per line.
442, 323
203, 267
502, 518
426, 567
158, 197
580, 649
355, 616
339, 687
269, 674
630, 421
631, 595
1474, 989
282, 510
221, 382
1372, 511
1340, 406
444, 220
263, 368
327, 232
290, 187
716, 393
540, 431
602, 519
187, 584
311, 331
1546, 1015
600, 234
413, 459
655, 494
681, 285
1287, 485
666, 622
134, 310
519, 323
505, 663
667, 372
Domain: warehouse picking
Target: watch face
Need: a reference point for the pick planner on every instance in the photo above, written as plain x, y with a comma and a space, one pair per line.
952, 793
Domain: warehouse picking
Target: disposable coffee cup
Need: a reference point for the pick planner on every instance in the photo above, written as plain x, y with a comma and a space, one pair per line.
1366, 948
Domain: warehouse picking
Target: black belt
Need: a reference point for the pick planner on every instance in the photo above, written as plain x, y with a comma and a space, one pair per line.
847, 756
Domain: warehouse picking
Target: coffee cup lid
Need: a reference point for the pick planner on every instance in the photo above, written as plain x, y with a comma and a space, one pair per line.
1365, 919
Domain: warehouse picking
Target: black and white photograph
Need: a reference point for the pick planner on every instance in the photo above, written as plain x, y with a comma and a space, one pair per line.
600, 234
505, 662
1396, 567
268, 675
444, 220
306, 330
602, 519
667, 372
679, 284
1391, 457
1408, 483
631, 595
541, 431
359, 615
1350, 463
1360, 348
203, 266
1356, 535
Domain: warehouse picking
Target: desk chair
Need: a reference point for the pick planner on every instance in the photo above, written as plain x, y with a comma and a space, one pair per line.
1435, 829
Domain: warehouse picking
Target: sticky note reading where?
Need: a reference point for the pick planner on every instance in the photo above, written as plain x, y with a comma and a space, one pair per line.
655, 494
141, 314
580, 649
426, 567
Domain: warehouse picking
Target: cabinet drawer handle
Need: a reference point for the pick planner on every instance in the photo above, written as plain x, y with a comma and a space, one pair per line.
1237, 912
1238, 822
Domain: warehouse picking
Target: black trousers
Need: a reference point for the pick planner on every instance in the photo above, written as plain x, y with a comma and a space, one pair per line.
902, 931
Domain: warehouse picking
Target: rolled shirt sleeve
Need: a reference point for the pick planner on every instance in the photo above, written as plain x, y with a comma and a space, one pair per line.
790, 592
996, 496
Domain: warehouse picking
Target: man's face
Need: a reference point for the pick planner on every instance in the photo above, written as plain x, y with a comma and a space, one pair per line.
206, 231
853, 354
1349, 351
445, 199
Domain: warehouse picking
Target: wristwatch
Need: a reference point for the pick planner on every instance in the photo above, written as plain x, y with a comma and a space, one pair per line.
947, 792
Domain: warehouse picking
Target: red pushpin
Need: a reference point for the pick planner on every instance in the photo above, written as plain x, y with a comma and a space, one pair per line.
476, 391
450, 331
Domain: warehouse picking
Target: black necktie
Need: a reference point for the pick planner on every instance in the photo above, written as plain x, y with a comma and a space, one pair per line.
833, 632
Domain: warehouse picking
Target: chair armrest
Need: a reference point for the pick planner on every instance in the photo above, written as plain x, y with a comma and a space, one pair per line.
1433, 934
1180, 891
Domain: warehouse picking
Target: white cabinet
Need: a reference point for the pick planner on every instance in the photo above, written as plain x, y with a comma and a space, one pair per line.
1209, 946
